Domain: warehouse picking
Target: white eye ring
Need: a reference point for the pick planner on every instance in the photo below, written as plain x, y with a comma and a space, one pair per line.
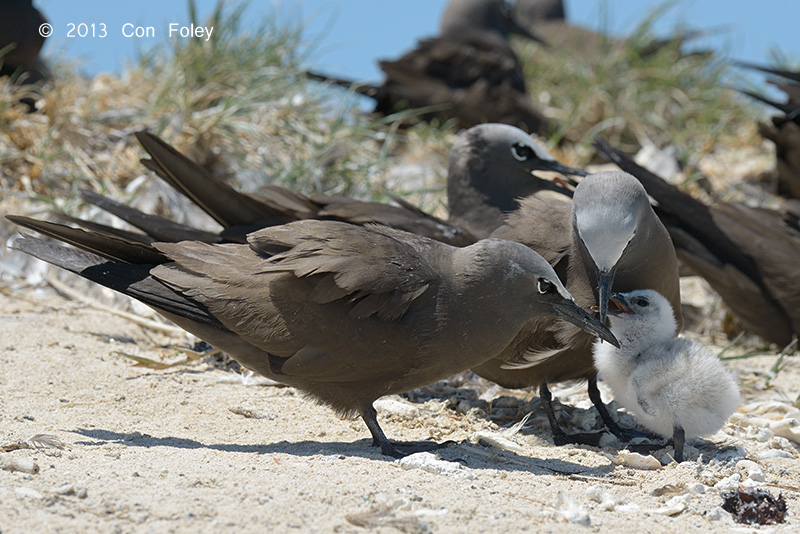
521, 152
544, 285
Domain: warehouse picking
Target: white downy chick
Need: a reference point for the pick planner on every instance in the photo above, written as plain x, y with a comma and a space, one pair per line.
674, 386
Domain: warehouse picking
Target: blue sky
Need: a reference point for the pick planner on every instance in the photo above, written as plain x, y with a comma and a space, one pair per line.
351, 35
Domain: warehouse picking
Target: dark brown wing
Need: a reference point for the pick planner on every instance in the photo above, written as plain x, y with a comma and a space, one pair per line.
380, 269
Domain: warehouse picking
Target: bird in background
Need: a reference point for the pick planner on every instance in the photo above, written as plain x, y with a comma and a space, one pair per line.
344, 313
491, 167
468, 73
749, 256
21, 44
783, 130
607, 239
674, 386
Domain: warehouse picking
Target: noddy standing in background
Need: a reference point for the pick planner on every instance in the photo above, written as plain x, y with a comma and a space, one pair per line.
344, 313
21, 40
468, 73
784, 130
491, 167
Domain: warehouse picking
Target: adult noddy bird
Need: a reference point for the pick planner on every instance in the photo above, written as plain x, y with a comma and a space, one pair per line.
674, 386
607, 239
784, 130
748, 255
468, 73
21, 42
491, 167
345, 313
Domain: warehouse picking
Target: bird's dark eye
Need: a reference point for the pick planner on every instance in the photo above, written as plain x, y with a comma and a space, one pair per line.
522, 152
544, 286
642, 303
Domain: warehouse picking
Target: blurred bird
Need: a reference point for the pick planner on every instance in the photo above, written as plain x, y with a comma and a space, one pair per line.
20, 44
607, 239
345, 313
674, 386
750, 256
784, 130
468, 73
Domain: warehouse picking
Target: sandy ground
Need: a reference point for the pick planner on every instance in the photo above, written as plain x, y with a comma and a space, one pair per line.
192, 448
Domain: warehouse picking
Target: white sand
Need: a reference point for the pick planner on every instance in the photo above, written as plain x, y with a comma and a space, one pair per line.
164, 451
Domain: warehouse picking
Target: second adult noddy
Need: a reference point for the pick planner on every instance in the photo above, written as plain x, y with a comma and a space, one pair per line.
345, 313
491, 167
608, 238
747, 255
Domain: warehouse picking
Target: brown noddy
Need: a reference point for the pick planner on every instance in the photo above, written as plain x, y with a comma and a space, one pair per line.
674, 386
344, 313
468, 73
20, 43
748, 255
496, 16
783, 130
607, 239
491, 166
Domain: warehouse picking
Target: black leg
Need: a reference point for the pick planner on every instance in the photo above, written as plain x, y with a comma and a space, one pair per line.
623, 434
397, 449
559, 436
678, 439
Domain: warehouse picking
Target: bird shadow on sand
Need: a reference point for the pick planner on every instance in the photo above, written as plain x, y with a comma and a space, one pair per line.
506, 411
474, 457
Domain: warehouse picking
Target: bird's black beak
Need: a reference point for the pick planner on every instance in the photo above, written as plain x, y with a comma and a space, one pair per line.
569, 311
557, 185
557, 166
605, 279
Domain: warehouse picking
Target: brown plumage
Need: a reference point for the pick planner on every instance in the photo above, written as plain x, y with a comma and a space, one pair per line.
783, 130
750, 256
20, 37
345, 313
491, 167
468, 73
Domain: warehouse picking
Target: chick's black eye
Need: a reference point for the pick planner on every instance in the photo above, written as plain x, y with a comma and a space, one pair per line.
544, 285
642, 303
522, 152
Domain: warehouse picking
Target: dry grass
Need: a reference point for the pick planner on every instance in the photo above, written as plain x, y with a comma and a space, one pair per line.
240, 105
631, 97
